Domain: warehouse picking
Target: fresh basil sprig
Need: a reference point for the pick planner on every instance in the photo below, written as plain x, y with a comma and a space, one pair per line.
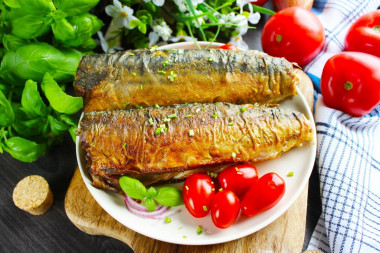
166, 196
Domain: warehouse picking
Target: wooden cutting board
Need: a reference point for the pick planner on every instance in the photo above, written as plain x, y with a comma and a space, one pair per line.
286, 234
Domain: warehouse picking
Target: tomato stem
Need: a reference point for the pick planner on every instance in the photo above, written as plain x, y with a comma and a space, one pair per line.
376, 28
348, 85
278, 38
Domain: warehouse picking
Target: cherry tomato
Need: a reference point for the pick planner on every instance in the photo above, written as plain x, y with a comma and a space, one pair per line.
351, 83
259, 2
198, 193
229, 47
263, 195
238, 178
282, 4
364, 34
294, 33
225, 209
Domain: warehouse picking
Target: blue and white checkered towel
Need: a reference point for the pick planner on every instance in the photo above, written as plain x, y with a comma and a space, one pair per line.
348, 158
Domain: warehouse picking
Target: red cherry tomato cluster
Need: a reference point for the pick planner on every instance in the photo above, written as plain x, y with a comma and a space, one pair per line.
240, 189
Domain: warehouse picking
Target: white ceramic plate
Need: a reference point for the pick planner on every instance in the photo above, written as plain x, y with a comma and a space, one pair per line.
182, 229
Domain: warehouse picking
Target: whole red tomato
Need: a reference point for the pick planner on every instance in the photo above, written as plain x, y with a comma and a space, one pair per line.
364, 34
351, 82
294, 33
225, 209
259, 2
198, 193
263, 195
229, 47
238, 178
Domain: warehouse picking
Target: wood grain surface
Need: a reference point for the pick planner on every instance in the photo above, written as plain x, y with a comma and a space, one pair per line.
286, 234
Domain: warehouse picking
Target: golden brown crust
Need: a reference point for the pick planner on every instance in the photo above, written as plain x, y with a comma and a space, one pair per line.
121, 142
141, 77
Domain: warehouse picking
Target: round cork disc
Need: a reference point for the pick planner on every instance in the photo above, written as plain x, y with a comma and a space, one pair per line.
32, 194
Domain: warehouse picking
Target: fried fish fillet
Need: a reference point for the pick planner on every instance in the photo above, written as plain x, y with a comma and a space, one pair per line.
172, 141
144, 78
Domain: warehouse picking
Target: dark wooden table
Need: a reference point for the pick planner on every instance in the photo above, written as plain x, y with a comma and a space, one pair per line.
53, 231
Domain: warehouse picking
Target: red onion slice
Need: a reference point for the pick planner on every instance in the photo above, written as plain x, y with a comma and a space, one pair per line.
142, 211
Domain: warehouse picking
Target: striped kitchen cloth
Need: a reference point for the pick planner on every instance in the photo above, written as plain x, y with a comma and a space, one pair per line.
348, 154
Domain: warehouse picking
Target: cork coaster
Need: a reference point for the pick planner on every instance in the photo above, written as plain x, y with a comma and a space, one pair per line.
33, 194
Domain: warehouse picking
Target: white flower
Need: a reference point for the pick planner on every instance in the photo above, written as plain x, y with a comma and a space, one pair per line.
242, 23
105, 45
153, 38
239, 42
181, 37
183, 7
163, 30
201, 20
253, 17
122, 15
156, 2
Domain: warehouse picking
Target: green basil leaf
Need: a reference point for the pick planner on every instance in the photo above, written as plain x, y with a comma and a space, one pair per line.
7, 115
29, 127
132, 187
12, 43
85, 26
23, 149
151, 192
75, 7
150, 204
73, 132
58, 99
32, 61
63, 30
56, 126
169, 196
13, 3
31, 100
70, 120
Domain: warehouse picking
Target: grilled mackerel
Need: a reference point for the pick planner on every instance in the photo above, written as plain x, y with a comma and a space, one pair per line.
172, 142
144, 78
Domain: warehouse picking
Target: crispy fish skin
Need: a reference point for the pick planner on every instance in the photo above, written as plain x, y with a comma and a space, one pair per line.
133, 78
127, 141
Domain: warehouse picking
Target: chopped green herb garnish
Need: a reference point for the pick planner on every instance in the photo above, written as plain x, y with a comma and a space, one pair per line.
199, 230
154, 48
215, 115
161, 129
187, 187
255, 90
146, 80
175, 60
124, 145
256, 104
203, 119
180, 228
150, 120
131, 54
166, 120
243, 109
184, 236
236, 168
172, 115
156, 106
197, 110
230, 123
188, 115
205, 208
232, 118
134, 74
210, 59
290, 174
213, 189
166, 63
139, 106
220, 189
217, 103
141, 87
162, 72
124, 105
168, 219
211, 51
191, 132
172, 76
202, 108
